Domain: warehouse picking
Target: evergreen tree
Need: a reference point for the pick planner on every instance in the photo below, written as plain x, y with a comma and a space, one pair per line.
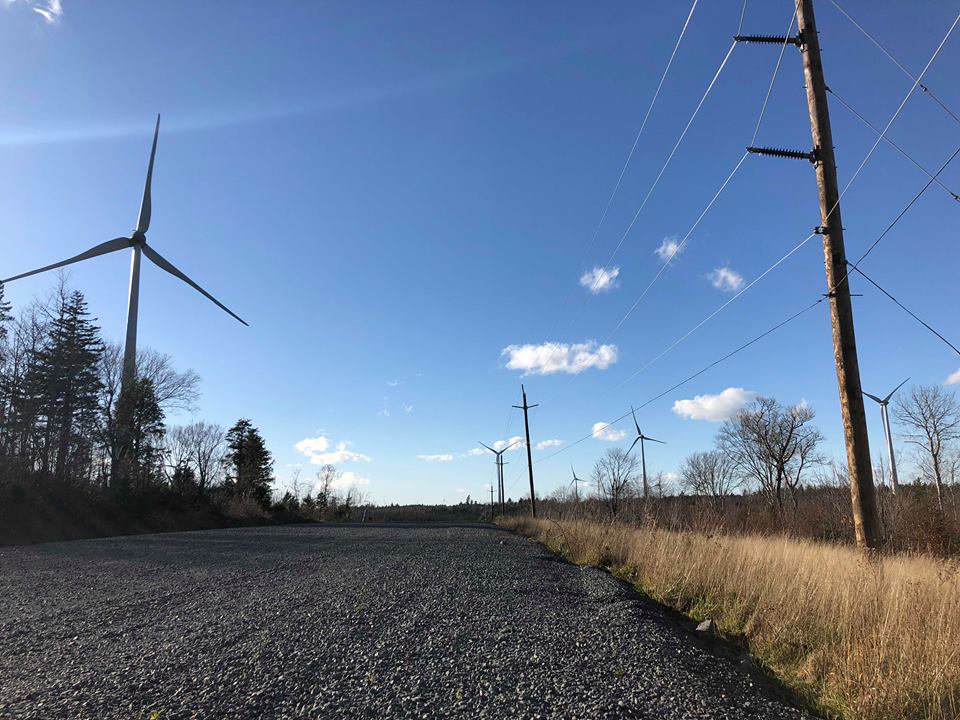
143, 455
63, 380
249, 464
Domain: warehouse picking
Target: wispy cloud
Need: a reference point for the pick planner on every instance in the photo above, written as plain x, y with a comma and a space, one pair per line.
50, 10
552, 442
407, 409
349, 479
475, 452
606, 431
600, 279
551, 357
726, 279
714, 408
669, 248
953, 378
439, 457
318, 450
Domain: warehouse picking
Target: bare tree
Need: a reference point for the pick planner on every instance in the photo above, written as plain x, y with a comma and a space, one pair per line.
772, 445
710, 474
615, 476
327, 475
207, 450
931, 416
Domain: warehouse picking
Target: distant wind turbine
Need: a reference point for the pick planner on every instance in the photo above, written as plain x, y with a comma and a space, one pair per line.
894, 480
500, 463
576, 483
138, 242
641, 438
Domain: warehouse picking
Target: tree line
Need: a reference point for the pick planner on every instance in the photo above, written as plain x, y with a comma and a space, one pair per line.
60, 439
767, 472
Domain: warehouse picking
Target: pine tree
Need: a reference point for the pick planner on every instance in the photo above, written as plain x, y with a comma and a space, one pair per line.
249, 463
65, 383
144, 453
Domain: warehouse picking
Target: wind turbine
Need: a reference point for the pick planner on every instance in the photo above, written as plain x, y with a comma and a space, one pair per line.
500, 463
894, 481
576, 483
138, 243
641, 438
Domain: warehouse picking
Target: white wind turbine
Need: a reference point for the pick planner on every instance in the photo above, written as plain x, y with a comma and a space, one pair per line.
138, 243
888, 435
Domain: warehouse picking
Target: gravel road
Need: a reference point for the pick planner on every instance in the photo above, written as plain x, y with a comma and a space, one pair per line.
348, 621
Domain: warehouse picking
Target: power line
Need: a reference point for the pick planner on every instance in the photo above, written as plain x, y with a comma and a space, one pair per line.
633, 148
695, 375
776, 71
670, 157
896, 62
905, 308
892, 143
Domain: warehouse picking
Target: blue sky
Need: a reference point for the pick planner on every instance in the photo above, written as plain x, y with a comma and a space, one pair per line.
393, 194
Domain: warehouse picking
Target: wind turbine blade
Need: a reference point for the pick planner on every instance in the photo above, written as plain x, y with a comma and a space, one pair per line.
143, 222
654, 440
887, 398
164, 264
633, 412
101, 249
515, 442
633, 445
874, 397
488, 448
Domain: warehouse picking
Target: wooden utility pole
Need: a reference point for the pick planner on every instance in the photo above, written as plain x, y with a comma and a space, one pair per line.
491, 503
526, 427
863, 495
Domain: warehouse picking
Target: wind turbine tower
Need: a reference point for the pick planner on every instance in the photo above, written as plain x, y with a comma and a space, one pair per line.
500, 463
137, 243
885, 415
576, 484
641, 438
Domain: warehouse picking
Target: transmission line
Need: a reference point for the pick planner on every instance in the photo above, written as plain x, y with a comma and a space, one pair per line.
896, 62
892, 143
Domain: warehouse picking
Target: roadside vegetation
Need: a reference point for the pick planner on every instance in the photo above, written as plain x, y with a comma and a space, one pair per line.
858, 638
756, 533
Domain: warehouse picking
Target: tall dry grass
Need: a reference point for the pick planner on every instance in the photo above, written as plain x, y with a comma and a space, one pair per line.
861, 639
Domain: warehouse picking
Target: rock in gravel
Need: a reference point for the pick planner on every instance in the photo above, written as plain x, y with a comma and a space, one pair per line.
316, 621
707, 627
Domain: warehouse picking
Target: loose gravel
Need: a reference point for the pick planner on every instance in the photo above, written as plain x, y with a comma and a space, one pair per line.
345, 621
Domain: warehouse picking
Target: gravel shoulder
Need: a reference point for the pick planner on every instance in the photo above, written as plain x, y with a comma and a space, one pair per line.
345, 621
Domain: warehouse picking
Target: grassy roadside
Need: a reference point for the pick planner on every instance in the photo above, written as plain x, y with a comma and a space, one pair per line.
859, 639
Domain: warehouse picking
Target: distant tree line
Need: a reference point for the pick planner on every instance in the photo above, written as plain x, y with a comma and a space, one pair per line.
61, 446
766, 472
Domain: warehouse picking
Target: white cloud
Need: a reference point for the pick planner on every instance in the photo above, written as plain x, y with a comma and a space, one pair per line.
552, 357
50, 10
605, 431
439, 457
953, 378
350, 479
544, 444
317, 449
476, 452
385, 412
600, 279
407, 409
669, 249
726, 279
714, 407
515, 443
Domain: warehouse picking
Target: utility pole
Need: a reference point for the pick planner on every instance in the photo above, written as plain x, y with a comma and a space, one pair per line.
862, 492
526, 427
491, 503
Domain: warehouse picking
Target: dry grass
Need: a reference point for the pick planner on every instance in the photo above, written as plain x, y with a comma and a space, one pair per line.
861, 639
